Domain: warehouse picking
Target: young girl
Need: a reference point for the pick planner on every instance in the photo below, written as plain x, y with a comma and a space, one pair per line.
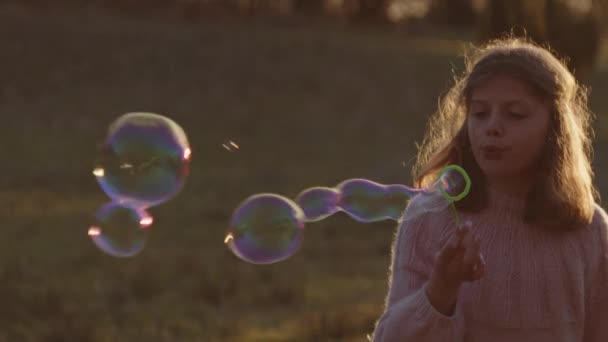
531, 262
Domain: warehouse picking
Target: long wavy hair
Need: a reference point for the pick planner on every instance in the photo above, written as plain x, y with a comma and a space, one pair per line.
562, 196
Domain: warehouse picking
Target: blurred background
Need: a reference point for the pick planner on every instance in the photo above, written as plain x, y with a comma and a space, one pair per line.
312, 92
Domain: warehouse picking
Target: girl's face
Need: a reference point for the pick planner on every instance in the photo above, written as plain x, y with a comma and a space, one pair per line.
507, 127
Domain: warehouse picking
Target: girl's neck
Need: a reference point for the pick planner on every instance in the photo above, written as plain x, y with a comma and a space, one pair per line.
508, 195
510, 187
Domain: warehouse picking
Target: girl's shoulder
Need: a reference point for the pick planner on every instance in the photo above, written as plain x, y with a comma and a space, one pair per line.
600, 218
427, 217
596, 252
596, 232
422, 230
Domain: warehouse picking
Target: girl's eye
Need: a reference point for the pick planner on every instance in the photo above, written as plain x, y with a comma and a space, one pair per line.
479, 114
517, 115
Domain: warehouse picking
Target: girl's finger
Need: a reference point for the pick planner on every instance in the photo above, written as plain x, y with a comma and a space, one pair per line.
471, 250
479, 269
476, 275
462, 230
449, 250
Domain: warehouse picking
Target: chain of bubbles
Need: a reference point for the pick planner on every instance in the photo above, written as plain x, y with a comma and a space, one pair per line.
142, 162
267, 228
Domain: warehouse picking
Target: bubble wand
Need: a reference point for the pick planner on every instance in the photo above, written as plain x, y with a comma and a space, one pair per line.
461, 195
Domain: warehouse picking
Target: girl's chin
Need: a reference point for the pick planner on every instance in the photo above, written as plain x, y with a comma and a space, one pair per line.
501, 172
496, 170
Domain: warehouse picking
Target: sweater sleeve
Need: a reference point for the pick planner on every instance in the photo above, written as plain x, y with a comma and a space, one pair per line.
596, 303
596, 329
408, 314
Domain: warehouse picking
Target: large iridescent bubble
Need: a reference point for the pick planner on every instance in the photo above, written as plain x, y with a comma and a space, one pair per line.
268, 228
143, 160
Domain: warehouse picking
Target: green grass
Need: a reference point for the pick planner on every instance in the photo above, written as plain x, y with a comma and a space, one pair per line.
308, 105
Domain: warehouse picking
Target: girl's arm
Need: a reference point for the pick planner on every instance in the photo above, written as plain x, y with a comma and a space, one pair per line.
596, 327
409, 316
596, 305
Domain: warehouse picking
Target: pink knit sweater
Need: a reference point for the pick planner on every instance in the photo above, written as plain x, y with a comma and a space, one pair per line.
539, 285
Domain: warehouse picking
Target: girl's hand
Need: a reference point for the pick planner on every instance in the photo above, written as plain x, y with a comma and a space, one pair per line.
457, 262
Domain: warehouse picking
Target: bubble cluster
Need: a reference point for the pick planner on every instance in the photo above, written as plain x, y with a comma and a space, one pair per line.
142, 162
268, 228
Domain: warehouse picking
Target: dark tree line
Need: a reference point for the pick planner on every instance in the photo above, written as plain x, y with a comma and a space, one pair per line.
571, 27
574, 34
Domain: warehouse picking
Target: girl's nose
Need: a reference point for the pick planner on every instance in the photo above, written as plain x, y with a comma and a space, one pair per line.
494, 126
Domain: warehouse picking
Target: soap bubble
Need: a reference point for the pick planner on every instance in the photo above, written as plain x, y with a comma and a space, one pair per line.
265, 228
454, 183
120, 230
368, 201
268, 228
144, 159
318, 202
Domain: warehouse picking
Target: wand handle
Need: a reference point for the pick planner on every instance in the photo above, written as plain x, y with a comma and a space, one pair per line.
455, 214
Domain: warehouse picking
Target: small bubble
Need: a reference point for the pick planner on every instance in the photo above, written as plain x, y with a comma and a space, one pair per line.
120, 230
265, 229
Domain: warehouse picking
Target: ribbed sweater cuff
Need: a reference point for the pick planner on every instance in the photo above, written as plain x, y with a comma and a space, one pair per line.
425, 311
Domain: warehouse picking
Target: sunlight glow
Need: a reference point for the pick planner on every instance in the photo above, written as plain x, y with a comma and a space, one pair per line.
99, 172
94, 231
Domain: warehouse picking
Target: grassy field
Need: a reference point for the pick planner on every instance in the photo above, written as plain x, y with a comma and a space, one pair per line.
307, 104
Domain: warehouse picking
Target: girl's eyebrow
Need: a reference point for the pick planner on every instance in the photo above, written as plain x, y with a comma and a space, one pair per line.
481, 102
507, 103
